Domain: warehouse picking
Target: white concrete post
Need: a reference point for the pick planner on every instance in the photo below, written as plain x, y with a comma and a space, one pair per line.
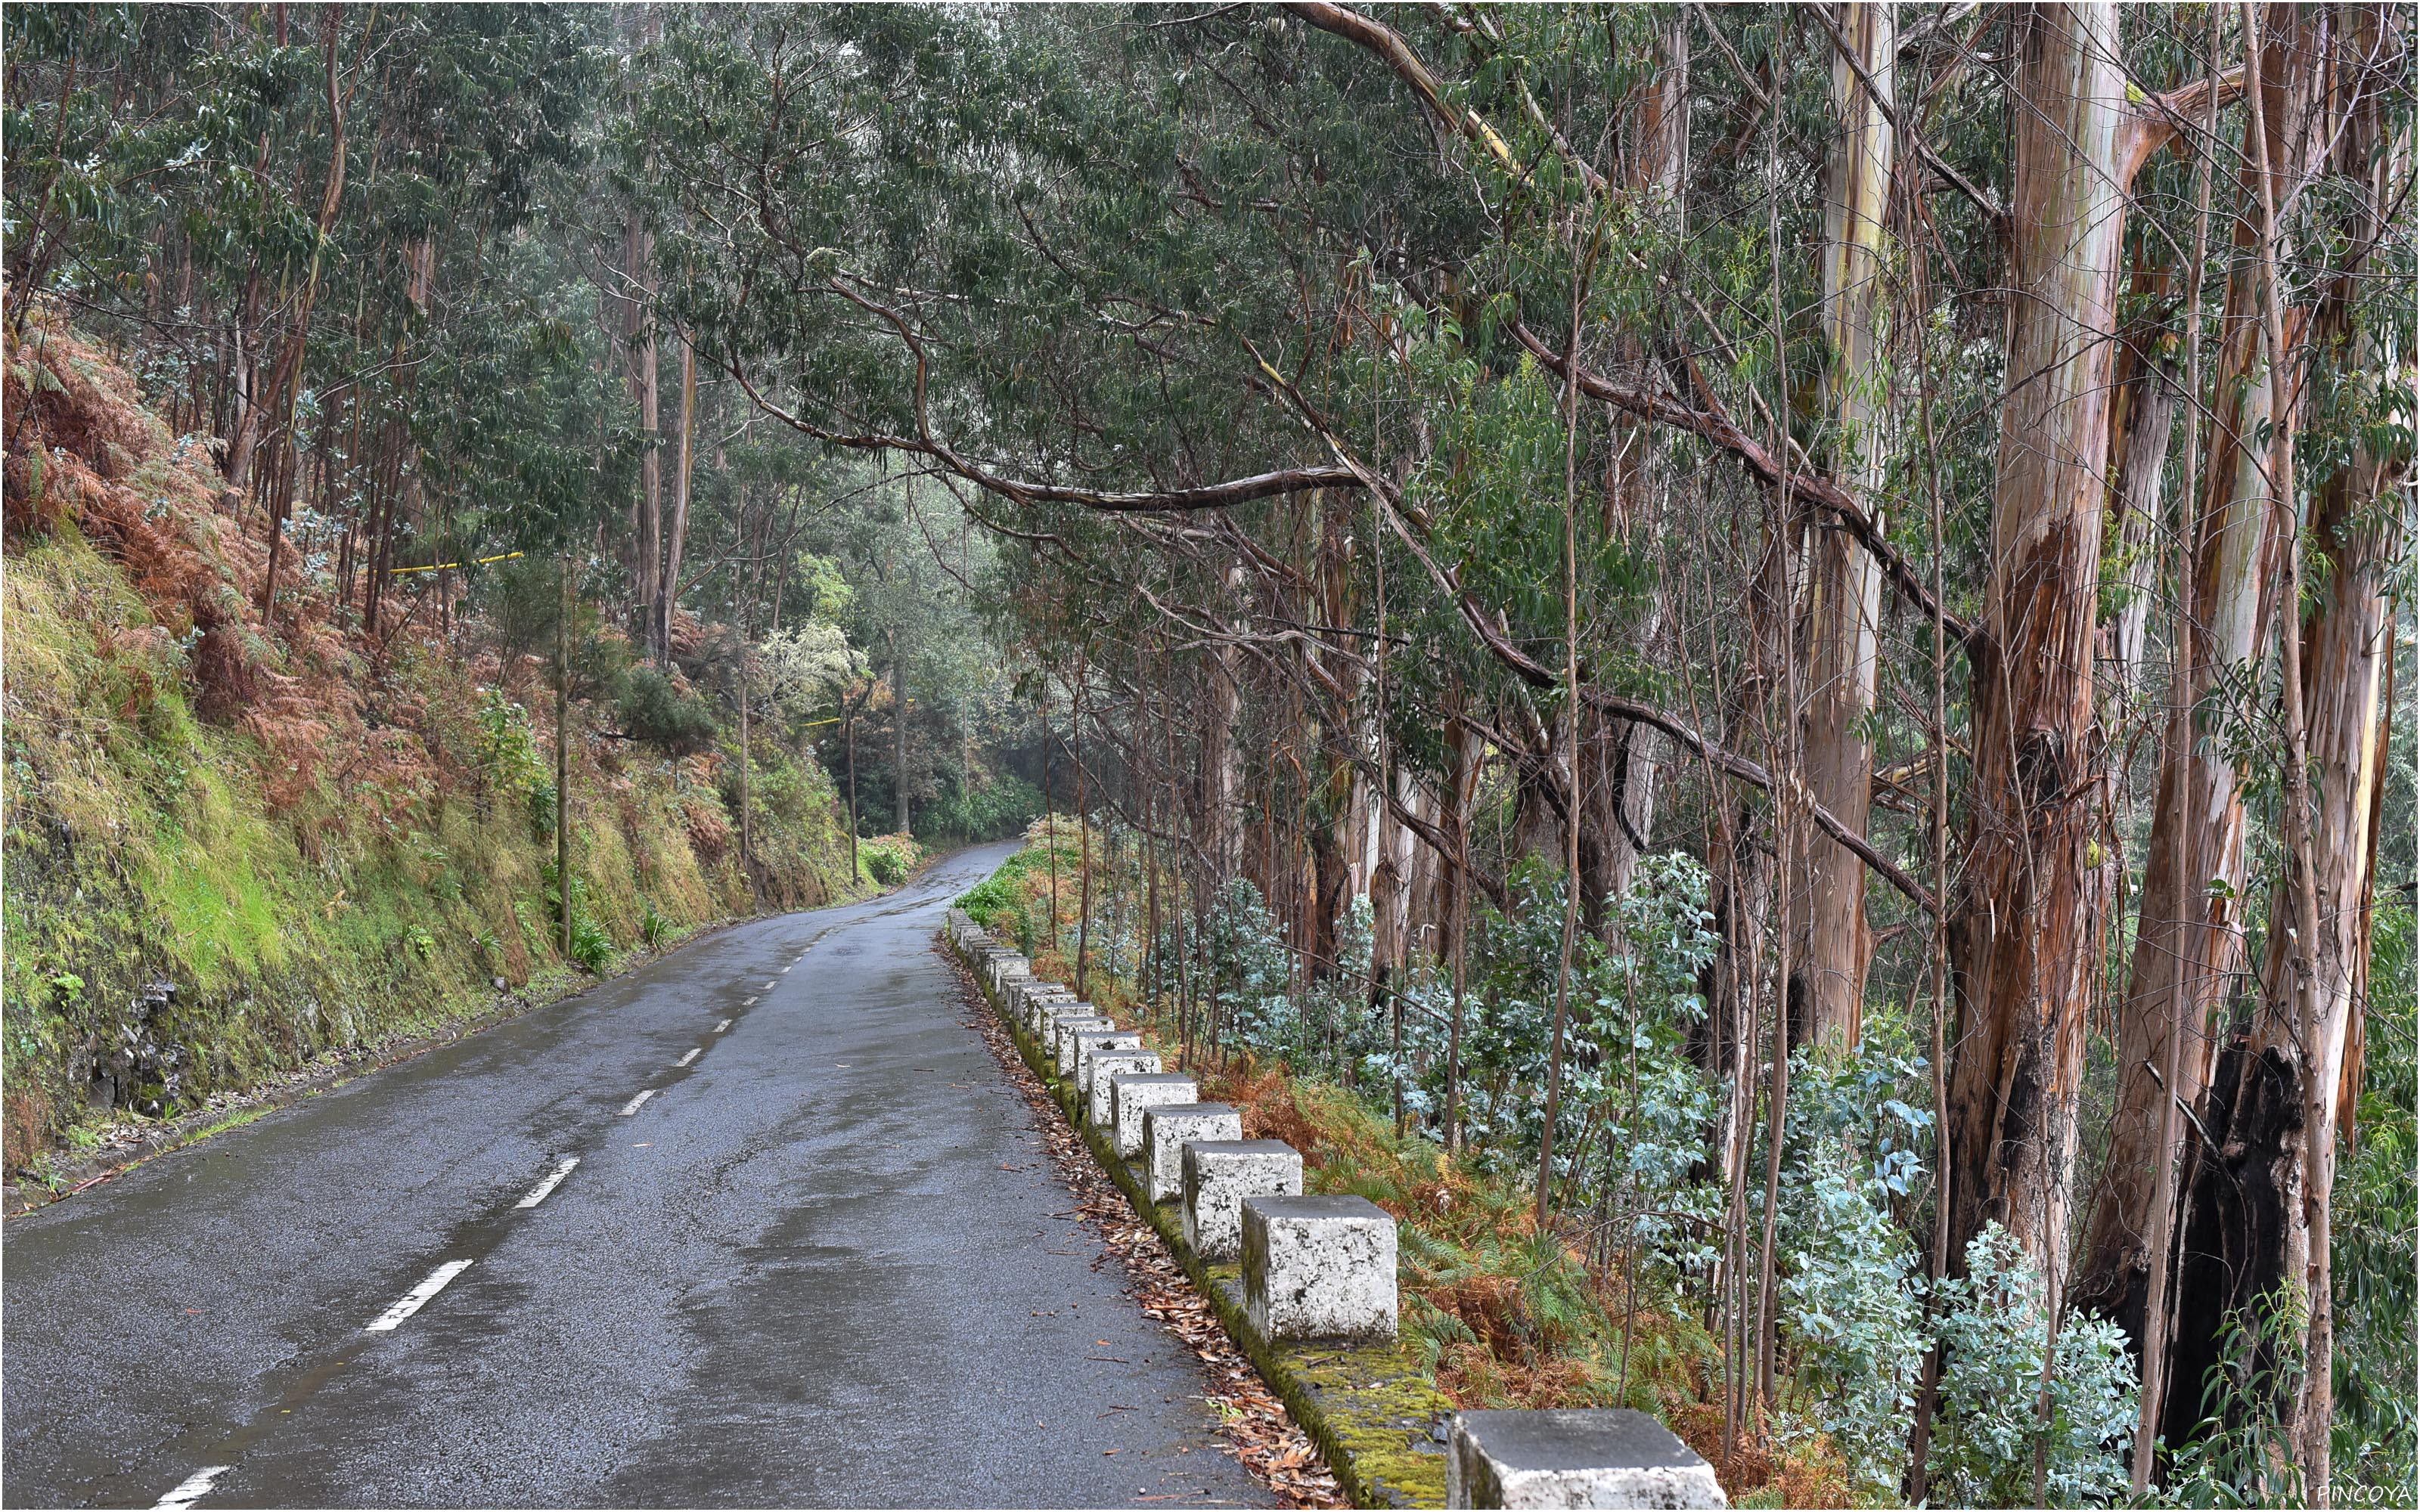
1573, 1458
1218, 1175
1132, 1094
1319, 1268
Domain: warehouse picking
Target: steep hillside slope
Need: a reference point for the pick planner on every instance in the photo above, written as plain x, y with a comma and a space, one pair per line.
230, 848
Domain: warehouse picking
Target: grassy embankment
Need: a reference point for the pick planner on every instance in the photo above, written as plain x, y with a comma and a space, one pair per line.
231, 849
1503, 1316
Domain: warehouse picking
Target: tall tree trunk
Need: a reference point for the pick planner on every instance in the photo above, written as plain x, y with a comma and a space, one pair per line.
2021, 946
2257, 1215
1461, 760
647, 510
668, 585
287, 379
1084, 835
2189, 940
1222, 760
2152, 1334
899, 731
1641, 474
1834, 946
563, 747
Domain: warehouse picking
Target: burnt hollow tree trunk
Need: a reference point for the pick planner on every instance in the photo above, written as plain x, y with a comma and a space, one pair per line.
2021, 939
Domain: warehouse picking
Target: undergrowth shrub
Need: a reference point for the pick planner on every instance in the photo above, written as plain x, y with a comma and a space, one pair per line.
655, 709
1989, 1428
888, 858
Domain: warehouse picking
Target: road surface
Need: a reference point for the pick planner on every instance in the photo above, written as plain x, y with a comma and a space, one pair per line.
810, 1253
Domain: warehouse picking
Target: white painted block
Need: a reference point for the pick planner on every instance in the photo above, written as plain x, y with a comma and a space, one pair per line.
1028, 1000
1042, 1023
1008, 966
1039, 1014
1573, 1458
1063, 1052
1097, 1061
1134, 1093
1216, 1175
1165, 1132
1319, 1268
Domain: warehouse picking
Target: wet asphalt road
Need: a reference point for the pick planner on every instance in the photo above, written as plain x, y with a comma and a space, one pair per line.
825, 1264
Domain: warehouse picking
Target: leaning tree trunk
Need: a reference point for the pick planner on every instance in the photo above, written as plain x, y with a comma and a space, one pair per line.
2021, 940
1833, 945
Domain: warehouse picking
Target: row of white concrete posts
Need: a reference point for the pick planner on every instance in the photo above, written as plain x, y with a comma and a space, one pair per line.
1316, 1268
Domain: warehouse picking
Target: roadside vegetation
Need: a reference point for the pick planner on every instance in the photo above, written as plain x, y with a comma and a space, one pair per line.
230, 850
1613, 1303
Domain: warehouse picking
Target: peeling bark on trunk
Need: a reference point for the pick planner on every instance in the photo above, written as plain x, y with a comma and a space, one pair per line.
2020, 944
2148, 393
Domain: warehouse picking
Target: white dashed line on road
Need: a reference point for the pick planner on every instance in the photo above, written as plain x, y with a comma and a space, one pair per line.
752, 1002
632, 1105
786, 970
721, 1026
539, 1193
695, 1052
769, 985
192, 1488
417, 1297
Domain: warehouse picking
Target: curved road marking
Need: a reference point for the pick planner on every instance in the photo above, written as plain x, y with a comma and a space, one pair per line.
417, 1297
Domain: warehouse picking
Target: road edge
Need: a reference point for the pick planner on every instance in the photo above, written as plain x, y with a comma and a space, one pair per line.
19, 1197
